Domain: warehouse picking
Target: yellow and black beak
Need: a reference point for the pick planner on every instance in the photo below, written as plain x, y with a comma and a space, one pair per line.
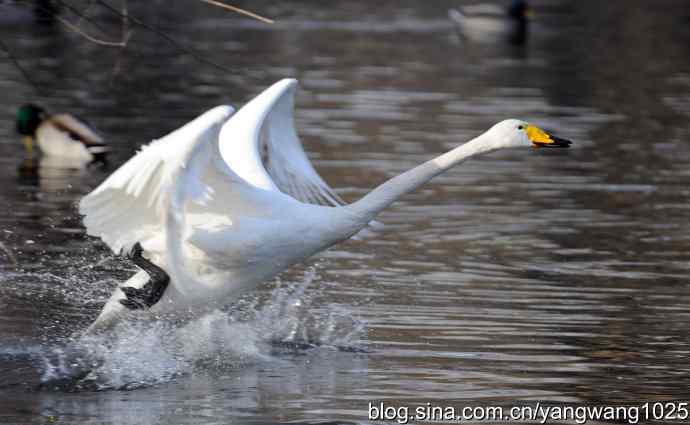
541, 139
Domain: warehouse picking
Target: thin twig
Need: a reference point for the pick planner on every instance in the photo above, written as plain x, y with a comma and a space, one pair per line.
240, 11
130, 19
91, 38
165, 36
21, 69
82, 14
125, 19
126, 34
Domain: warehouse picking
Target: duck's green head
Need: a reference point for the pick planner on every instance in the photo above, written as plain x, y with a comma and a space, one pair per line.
29, 117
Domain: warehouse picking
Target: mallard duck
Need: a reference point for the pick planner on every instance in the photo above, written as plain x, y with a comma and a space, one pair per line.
60, 135
490, 22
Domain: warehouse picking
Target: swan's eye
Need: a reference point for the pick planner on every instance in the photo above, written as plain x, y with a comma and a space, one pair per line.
521, 127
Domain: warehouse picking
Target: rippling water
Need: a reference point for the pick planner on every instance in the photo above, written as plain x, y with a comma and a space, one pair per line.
518, 277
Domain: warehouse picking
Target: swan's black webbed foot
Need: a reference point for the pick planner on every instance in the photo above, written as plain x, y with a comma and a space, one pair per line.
153, 290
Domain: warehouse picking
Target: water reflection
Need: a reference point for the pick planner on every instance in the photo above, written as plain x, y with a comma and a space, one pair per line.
54, 174
519, 276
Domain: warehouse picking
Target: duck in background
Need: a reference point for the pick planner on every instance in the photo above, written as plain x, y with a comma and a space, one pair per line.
490, 23
62, 136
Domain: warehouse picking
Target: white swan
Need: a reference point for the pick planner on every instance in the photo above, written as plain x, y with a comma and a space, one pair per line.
229, 201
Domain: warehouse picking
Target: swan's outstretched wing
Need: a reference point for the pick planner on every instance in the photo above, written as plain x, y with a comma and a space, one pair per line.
169, 192
131, 205
259, 144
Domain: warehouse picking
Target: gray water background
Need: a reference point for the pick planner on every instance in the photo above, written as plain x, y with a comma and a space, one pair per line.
519, 277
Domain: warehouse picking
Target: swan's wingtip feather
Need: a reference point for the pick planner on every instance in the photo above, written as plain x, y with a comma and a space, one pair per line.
290, 82
284, 85
219, 113
224, 109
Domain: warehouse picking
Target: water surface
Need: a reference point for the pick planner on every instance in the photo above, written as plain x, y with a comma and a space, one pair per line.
518, 277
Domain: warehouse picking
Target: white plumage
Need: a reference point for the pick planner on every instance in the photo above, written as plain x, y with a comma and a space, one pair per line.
229, 201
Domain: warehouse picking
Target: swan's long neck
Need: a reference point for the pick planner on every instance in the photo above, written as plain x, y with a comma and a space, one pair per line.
384, 195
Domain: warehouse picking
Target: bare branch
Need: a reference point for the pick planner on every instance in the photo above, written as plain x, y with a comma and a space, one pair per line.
240, 11
126, 34
165, 36
128, 20
125, 18
79, 31
82, 14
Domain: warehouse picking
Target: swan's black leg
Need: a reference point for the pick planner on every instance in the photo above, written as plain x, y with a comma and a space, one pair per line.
153, 290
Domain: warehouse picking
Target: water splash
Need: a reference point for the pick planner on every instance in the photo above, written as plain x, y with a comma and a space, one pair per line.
292, 316
142, 352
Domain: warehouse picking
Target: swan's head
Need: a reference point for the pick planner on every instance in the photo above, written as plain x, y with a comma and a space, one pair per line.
516, 133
